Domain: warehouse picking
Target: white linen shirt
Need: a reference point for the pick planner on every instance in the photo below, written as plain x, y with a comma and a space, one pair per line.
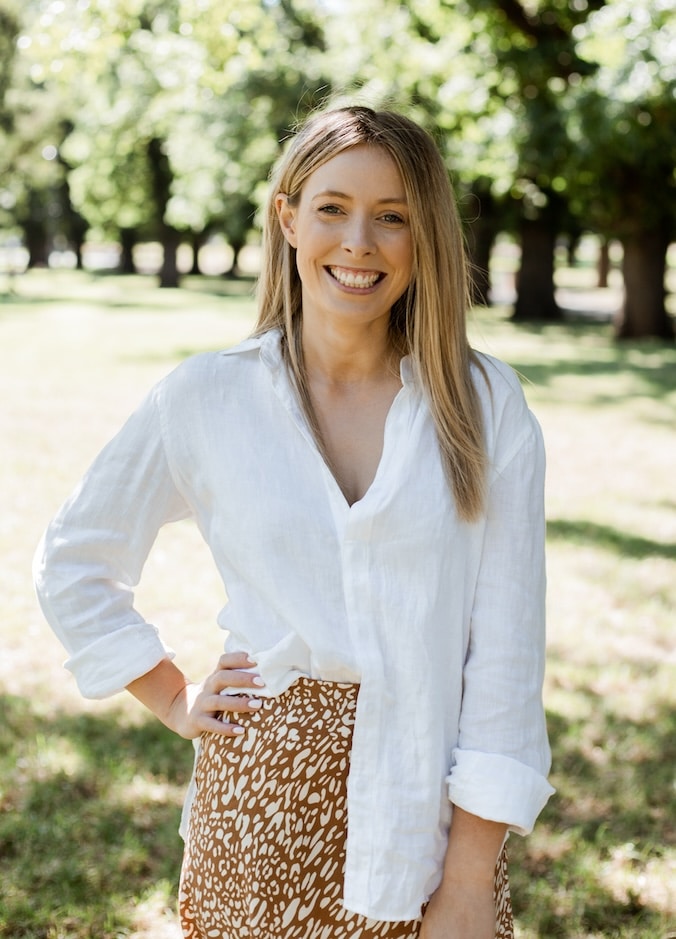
441, 622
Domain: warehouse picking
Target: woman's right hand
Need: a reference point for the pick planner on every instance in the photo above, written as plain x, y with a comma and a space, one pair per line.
191, 709
199, 708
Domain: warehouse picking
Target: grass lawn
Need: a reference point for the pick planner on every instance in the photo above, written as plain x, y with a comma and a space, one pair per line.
90, 792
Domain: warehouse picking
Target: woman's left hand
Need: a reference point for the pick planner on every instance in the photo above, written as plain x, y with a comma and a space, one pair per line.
465, 912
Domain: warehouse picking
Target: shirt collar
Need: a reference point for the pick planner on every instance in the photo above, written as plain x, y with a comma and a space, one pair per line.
246, 345
270, 345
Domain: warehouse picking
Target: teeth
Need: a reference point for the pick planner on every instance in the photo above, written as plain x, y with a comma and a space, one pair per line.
352, 279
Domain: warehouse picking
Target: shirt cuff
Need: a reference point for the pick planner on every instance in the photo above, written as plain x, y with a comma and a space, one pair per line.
498, 788
108, 665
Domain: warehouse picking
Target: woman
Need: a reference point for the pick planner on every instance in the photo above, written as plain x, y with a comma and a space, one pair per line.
371, 491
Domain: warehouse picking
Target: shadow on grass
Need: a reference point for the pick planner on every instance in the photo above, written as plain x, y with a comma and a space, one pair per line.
612, 819
88, 823
652, 379
550, 351
129, 292
623, 543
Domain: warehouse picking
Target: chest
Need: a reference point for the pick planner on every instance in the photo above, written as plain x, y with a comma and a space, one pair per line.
352, 423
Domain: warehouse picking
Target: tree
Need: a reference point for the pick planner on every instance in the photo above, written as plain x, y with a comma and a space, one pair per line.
534, 45
9, 30
20, 144
140, 76
35, 190
624, 130
37, 114
184, 109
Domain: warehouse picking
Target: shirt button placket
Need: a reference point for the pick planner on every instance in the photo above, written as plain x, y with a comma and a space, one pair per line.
359, 592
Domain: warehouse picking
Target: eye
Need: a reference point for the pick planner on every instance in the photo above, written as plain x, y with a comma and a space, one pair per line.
392, 218
330, 209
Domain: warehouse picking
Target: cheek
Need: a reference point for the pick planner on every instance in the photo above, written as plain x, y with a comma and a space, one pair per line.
303, 265
405, 259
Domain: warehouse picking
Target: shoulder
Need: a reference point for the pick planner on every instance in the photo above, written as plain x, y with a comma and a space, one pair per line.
508, 422
207, 372
498, 388
220, 361
494, 378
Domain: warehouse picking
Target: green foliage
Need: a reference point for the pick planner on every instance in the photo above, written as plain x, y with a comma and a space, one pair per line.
9, 29
555, 111
33, 189
624, 126
189, 75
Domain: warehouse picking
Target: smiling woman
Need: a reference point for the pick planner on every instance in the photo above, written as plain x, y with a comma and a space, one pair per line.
371, 492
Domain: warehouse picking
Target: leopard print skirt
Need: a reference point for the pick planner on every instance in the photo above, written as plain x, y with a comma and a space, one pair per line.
265, 852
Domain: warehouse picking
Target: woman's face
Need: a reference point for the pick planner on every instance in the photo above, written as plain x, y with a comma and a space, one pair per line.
352, 236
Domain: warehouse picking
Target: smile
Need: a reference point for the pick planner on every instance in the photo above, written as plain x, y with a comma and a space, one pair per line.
359, 279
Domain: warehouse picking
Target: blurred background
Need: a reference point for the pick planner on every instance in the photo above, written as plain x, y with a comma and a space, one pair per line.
136, 137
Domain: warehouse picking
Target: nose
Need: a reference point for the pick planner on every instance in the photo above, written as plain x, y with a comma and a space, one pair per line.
358, 237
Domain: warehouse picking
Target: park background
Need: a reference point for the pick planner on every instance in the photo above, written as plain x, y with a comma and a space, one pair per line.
135, 140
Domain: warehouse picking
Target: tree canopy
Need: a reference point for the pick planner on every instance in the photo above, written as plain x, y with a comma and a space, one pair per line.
148, 120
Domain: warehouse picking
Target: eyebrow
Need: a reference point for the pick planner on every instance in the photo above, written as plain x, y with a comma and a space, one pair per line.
336, 194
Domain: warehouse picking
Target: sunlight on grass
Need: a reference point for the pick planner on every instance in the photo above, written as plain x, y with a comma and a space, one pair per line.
90, 792
154, 916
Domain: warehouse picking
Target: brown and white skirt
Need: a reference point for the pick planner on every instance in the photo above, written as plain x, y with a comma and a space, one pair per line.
265, 853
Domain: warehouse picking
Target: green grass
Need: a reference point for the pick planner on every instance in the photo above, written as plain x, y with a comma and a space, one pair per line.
90, 792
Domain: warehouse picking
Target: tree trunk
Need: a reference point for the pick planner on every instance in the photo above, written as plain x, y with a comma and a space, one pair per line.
127, 245
162, 178
481, 231
169, 276
603, 268
571, 249
197, 241
643, 313
79, 235
480, 240
37, 243
236, 245
535, 282
74, 225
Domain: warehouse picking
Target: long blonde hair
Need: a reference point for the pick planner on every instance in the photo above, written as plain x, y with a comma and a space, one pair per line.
429, 321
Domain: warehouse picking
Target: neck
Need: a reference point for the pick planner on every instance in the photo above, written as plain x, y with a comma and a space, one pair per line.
341, 358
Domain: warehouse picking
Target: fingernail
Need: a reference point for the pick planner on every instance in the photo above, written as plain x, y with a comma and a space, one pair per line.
258, 682
250, 660
255, 702
236, 729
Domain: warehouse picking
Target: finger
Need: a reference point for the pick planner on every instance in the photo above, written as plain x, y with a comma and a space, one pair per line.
231, 702
214, 725
223, 723
235, 660
234, 678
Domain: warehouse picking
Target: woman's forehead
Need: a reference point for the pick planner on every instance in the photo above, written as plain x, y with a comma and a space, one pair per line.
363, 166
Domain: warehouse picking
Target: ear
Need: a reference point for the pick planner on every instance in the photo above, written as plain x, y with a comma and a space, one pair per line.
287, 218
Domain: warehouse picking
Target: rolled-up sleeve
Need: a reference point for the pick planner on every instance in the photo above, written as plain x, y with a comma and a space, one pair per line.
92, 554
499, 767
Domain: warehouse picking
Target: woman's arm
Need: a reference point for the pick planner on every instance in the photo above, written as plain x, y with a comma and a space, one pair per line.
463, 906
499, 766
93, 552
191, 709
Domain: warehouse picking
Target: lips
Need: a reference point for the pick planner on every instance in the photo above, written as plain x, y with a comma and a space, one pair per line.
361, 280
